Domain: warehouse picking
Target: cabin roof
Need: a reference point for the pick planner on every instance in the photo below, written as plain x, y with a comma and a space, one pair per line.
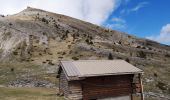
76, 70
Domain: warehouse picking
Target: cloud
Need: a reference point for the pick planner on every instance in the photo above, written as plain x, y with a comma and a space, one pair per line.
118, 20
134, 9
164, 36
116, 26
140, 5
94, 11
116, 23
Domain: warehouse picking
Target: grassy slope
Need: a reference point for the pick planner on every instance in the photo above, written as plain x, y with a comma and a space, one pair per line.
28, 94
34, 94
37, 65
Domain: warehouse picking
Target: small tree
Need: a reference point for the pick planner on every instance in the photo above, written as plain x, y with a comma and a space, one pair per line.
127, 60
110, 57
12, 69
141, 54
75, 58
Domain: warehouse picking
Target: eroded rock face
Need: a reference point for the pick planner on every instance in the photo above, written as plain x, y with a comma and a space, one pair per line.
30, 83
34, 27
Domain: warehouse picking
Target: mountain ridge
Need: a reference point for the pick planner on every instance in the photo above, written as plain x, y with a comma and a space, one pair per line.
36, 37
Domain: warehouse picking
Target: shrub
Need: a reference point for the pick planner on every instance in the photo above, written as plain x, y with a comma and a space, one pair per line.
50, 53
60, 57
143, 47
119, 57
2, 15
110, 57
141, 54
12, 69
127, 60
138, 47
150, 48
167, 55
120, 42
90, 37
69, 46
43, 62
50, 63
63, 53
75, 58
40, 54
44, 20
65, 35
88, 41
155, 74
15, 53
10, 24
161, 85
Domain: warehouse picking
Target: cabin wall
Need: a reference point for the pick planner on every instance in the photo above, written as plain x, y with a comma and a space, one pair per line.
63, 84
107, 86
75, 90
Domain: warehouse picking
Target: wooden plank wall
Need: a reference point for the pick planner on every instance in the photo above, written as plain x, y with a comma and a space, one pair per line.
75, 90
63, 84
108, 86
72, 90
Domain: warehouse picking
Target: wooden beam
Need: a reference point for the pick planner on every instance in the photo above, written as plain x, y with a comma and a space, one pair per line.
131, 96
141, 86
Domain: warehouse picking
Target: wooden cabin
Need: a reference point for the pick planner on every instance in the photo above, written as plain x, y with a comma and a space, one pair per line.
99, 80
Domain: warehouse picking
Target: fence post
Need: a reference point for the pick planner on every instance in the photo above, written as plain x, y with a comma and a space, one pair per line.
141, 86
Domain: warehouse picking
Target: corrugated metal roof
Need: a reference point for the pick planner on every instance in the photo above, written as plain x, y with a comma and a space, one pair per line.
87, 68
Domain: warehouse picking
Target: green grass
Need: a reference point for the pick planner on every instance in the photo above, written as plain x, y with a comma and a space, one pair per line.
8, 93
28, 94
137, 98
23, 70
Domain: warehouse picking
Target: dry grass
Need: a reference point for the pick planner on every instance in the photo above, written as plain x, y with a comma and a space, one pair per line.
28, 94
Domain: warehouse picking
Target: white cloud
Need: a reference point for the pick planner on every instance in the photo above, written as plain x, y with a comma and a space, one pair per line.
116, 26
94, 11
134, 9
140, 5
117, 23
164, 36
118, 20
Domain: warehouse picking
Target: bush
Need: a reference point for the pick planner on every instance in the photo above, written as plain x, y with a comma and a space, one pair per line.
12, 69
110, 57
50, 63
2, 15
155, 74
167, 55
75, 58
127, 60
143, 47
15, 53
141, 54
120, 42
60, 57
65, 35
43, 62
150, 48
161, 85
44, 20
138, 47
88, 41
63, 53
10, 24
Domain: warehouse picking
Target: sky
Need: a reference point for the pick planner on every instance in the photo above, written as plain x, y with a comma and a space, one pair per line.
142, 18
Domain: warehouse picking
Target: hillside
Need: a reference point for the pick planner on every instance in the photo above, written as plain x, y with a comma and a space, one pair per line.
33, 41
